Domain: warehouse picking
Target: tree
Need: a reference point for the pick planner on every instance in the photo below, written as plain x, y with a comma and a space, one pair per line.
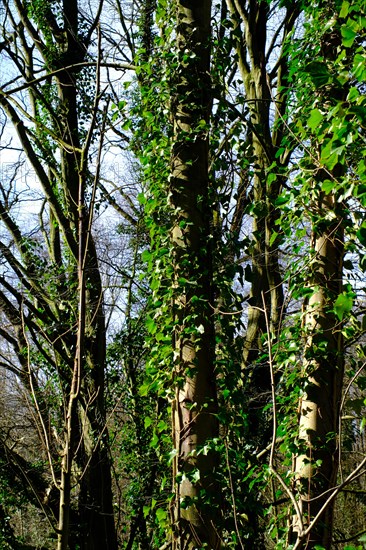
194, 404
328, 299
54, 307
262, 188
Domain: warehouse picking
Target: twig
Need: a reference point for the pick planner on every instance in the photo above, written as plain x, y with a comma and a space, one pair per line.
233, 494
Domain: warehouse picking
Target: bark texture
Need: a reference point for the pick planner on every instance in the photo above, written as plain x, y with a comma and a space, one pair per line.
316, 467
194, 423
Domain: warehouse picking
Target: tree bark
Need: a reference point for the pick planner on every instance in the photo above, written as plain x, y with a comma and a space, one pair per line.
316, 466
194, 422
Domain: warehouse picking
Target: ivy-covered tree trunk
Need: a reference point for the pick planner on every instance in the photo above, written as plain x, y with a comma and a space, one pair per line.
316, 466
194, 420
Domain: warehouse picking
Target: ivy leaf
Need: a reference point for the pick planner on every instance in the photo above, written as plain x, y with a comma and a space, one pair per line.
329, 156
151, 325
353, 94
226, 393
361, 234
162, 425
328, 186
344, 9
318, 73
343, 305
146, 256
195, 476
315, 119
171, 455
141, 198
147, 422
154, 441
273, 237
359, 66
161, 516
348, 36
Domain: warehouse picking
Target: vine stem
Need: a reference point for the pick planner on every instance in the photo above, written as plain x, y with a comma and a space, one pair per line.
340, 413
275, 423
232, 494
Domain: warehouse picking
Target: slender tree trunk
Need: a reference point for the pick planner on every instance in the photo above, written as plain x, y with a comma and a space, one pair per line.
194, 422
316, 466
97, 529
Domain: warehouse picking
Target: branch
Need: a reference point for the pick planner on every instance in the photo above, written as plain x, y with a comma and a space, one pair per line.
75, 66
357, 472
36, 404
112, 201
18, 468
41, 174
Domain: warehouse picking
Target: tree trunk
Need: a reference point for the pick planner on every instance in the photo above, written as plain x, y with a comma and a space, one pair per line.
194, 422
316, 466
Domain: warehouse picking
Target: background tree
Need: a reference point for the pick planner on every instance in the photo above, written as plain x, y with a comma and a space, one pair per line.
53, 301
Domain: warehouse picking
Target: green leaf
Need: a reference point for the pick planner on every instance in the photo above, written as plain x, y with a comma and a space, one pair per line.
329, 157
348, 36
226, 393
343, 305
361, 234
359, 67
315, 119
151, 325
318, 73
146, 256
162, 425
279, 152
195, 476
362, 424
154, 443
144, 390
360, 190
344, 9
328, 186
147, 422
173, 453
161, 516
283, 199
127, 124
273, 237
353, 94
141, 198
270, 178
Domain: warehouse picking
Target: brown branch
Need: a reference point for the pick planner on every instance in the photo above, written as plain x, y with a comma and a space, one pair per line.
50, 74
